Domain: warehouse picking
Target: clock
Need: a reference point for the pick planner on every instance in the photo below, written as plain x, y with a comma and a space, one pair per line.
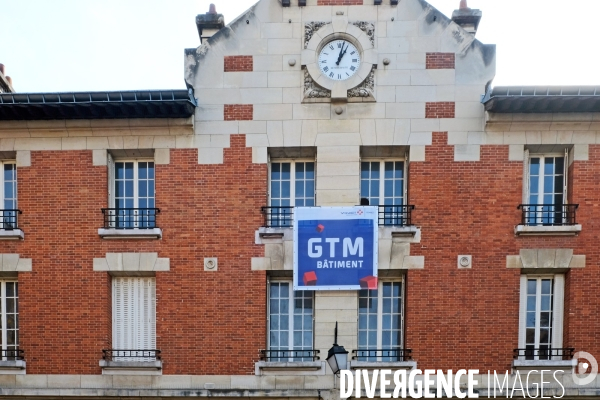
339, 60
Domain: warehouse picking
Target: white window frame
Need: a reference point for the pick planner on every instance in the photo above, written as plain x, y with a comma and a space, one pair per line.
112, 187
2, 194
380, 318
134, 321
4, 330
382, 162
291, 299
558, 299
540, 189
293, 162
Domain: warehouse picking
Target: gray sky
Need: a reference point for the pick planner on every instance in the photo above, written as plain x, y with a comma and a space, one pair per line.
80, 45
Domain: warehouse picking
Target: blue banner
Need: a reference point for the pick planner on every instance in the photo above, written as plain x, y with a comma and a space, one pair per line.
335, 248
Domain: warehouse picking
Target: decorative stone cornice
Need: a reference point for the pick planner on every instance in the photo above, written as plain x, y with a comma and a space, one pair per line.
545, 259
14, 263
131, 262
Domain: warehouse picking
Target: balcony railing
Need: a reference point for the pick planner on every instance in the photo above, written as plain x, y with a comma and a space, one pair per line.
9, 219
386, 355
131, 355
395, 215
289, 355
278, 216
389, 215
130, 218
543, 353
12, 355
548, 214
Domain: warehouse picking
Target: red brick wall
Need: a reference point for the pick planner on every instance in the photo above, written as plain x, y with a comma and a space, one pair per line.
439, 61
238, 63
470, 318
206, 211
238, 112
214, 322
439, 109
339, 2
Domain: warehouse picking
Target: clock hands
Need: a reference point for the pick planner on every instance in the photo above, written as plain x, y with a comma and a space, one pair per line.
341, 54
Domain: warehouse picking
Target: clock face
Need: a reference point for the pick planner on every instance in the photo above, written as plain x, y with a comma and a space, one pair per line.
339, 60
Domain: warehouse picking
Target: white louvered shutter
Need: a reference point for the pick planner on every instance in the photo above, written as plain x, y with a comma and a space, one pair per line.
565, 176
134, 315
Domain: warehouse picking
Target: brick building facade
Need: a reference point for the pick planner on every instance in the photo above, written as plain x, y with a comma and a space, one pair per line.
149, 234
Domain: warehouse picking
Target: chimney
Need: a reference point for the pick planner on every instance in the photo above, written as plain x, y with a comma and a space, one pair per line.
5, 81
467, 18
208, 24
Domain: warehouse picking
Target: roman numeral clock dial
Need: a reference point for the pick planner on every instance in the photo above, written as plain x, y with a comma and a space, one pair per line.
339, 60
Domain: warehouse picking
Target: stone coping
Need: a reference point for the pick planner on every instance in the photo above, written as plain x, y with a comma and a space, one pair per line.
155, 233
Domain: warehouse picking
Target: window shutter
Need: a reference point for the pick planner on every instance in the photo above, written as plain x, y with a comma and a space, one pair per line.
111, 181
405, 197
565, 176
526, 177
558, 307
118, 320
522, 311
134, 314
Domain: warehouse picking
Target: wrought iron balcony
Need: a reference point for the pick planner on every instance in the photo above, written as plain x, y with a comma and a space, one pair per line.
278, 216
548, 214
12, 355
9, 219
289, 355
543, 353
389, 215
385, 355
130, 355
130, 218
395, 215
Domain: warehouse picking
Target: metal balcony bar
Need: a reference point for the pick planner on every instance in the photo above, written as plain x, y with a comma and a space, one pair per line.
544, 353
278, 216
130, 355
548, 214
130, 218
389, 355
389, 215
289, 355
9, 219
12, 355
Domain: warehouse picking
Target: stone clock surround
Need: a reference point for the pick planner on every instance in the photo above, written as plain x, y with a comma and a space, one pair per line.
339, 28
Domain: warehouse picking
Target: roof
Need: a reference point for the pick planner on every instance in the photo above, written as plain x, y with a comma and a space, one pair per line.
542, 99
98, 105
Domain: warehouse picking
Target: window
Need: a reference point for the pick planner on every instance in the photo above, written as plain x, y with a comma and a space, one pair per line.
292, 184
9, 320
290, 323
380, 323
132, 195
8, 195
382, 183
547, 190
134, 318
540, 333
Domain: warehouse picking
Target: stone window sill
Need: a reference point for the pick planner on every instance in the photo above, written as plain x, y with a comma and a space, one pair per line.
566, 230
383, 364
12, 367
111, 233
289, 368
131, 367
12, 234
567, 366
